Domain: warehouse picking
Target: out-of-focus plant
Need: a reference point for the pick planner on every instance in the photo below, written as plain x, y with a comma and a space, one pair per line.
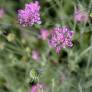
28, 63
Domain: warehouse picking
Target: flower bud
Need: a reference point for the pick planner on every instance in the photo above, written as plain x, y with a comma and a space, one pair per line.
11, 37
34, 75
2, 45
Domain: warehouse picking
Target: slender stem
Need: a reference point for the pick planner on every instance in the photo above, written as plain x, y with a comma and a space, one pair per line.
80, 88
53, 85
84, 52
89, 57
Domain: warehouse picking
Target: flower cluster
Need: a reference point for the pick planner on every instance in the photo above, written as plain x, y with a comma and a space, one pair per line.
2, 12
30, 15
60, 38
44, 34
80, 15
35, 55
37, 88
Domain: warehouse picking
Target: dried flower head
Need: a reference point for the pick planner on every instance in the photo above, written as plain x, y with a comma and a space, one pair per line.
60, 38
30, 15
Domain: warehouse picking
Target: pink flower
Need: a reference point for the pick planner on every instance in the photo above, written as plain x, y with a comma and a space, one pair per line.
2, 13
80, 15
44, 34
30, 15
60, 38
35, 55
37, 88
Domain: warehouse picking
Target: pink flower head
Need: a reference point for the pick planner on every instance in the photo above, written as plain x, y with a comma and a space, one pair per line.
60, 38
30, 15
80, 15
35, 55
44, 34
2, 13
37, 88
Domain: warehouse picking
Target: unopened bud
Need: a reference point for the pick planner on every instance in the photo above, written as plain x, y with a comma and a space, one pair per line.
2, 45
90, 15
11, 37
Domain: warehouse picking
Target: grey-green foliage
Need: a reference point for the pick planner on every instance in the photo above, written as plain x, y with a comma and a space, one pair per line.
69, 71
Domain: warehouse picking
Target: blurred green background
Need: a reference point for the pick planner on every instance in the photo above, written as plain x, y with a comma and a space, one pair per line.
69, 71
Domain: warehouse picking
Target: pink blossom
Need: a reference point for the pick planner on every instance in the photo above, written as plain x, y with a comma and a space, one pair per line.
2, 13
35, 55
30, 15
60, 38
37, 88
80, 15
44, 34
